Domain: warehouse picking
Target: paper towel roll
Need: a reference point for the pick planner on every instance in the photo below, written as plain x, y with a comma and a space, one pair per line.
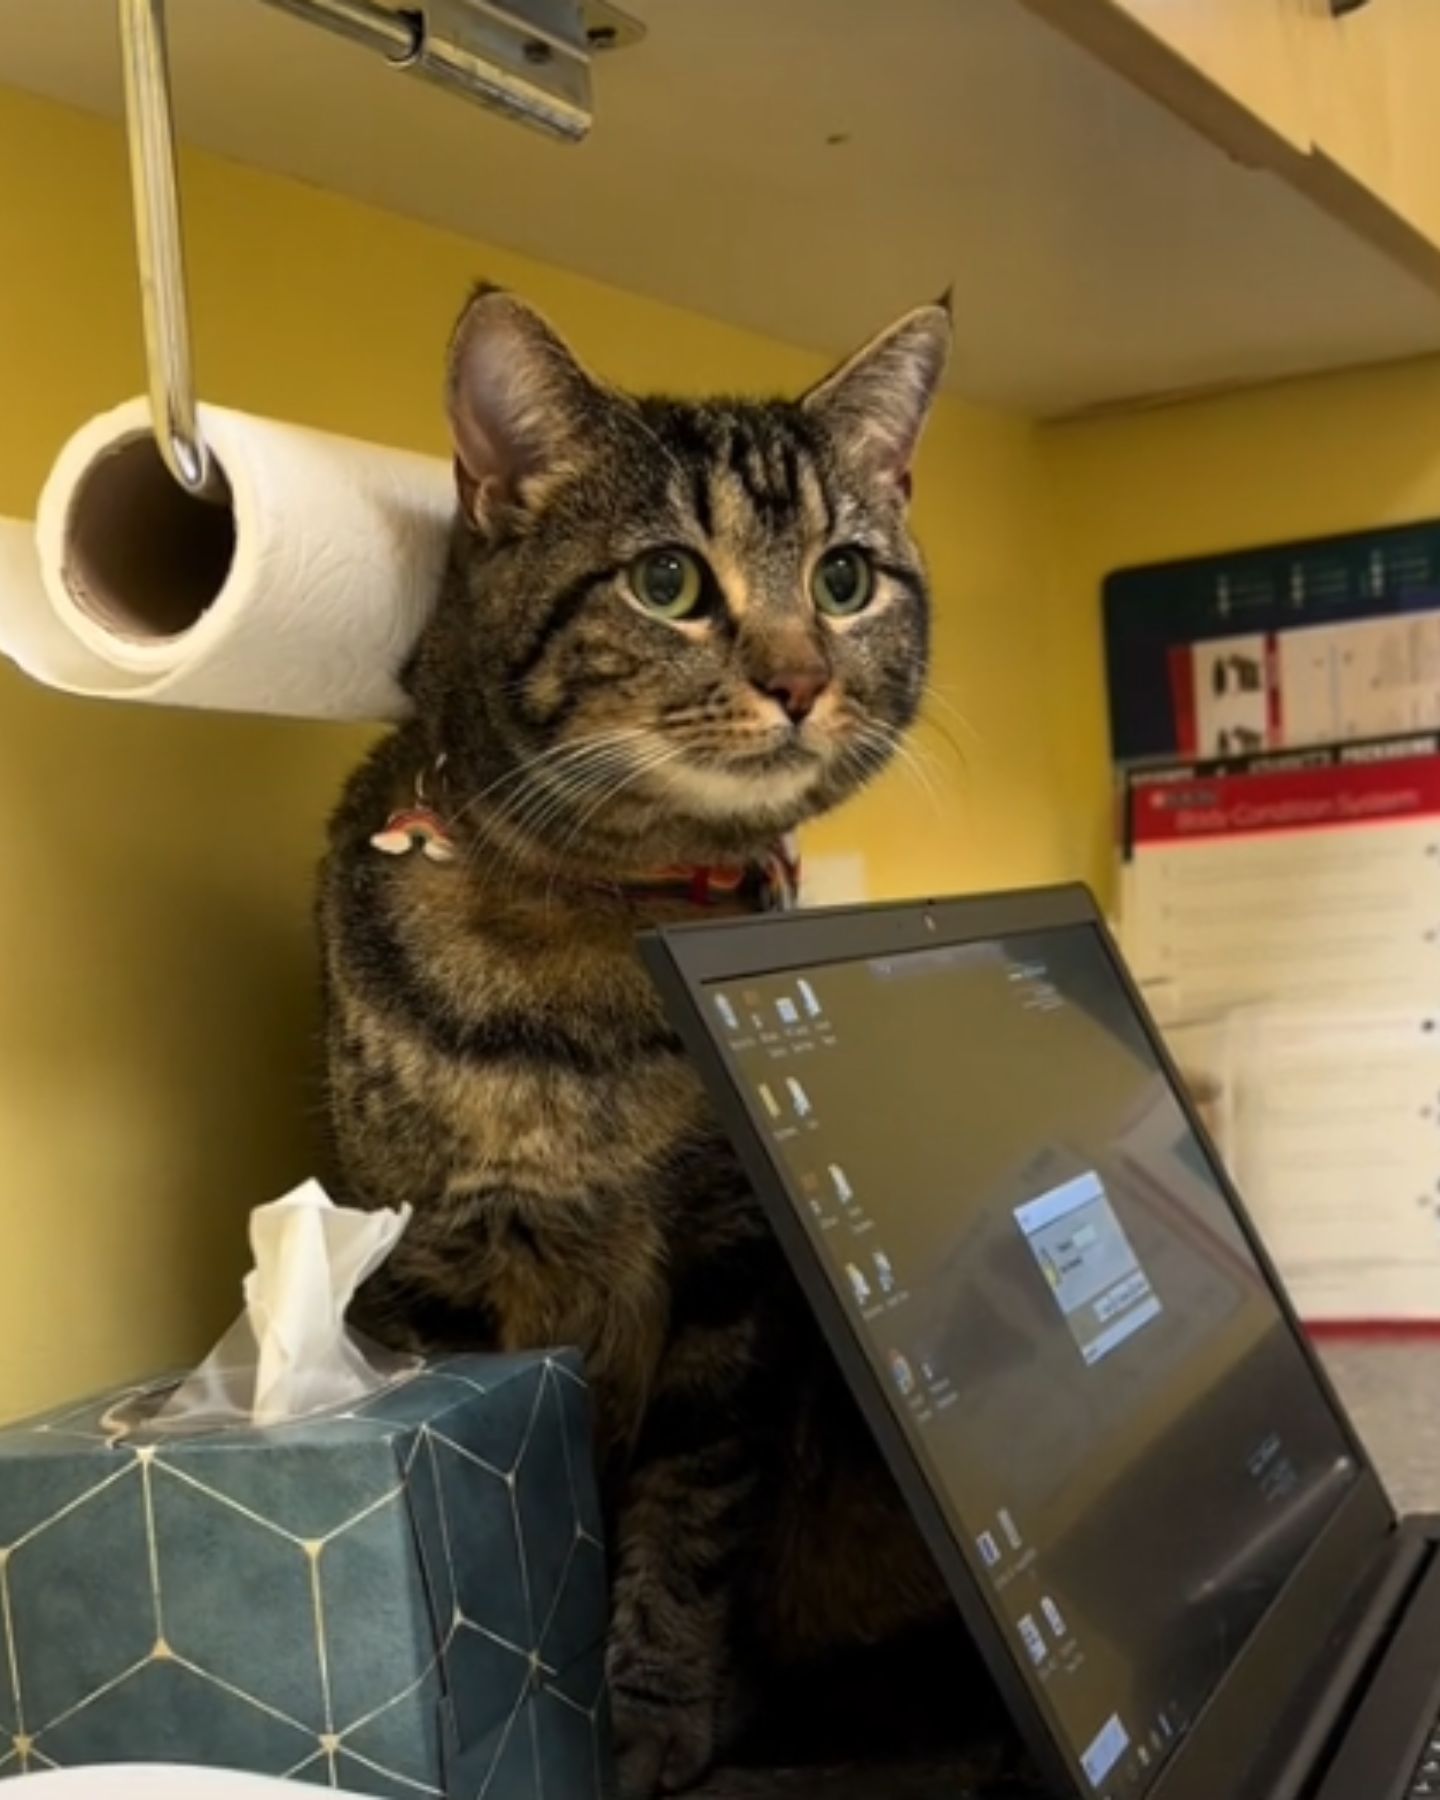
21, 590
303, 596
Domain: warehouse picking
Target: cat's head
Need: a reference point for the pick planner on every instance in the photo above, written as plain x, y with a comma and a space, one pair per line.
694, 623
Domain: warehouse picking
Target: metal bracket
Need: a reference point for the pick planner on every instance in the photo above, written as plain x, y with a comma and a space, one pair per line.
528, 59
532, 62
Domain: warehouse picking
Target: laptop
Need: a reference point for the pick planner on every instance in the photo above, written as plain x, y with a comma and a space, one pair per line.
1066, 1336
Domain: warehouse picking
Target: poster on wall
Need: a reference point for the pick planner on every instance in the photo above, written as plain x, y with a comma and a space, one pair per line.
1326, 641
1275, 730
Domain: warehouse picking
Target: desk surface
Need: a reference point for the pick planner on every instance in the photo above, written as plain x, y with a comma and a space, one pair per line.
1392, 1390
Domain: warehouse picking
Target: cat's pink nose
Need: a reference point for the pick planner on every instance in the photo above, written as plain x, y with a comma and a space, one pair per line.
796, 689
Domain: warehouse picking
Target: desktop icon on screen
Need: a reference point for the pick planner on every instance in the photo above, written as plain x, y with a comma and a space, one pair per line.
1033, 1639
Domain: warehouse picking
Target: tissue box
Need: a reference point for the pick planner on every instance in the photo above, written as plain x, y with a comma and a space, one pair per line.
406, 1599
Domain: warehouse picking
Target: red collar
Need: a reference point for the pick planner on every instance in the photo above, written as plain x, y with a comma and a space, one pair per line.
771, 885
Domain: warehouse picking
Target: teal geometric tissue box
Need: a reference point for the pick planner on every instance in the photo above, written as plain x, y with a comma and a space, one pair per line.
405, 1599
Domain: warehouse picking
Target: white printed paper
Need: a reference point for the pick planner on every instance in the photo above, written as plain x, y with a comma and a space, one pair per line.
1285, 926
1337, 1152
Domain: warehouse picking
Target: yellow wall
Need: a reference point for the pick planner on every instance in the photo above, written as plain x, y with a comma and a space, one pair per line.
1305, 458
156, 1076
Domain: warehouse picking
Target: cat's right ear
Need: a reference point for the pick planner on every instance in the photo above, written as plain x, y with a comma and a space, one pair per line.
875, 405
520, 408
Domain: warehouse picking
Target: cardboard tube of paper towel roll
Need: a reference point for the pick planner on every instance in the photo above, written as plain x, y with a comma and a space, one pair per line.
302, 596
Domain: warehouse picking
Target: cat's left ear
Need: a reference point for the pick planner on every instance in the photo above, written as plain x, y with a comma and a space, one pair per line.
522, 409
874, 406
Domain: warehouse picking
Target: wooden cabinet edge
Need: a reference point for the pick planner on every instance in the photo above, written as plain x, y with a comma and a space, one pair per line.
1121, 41
1357, 206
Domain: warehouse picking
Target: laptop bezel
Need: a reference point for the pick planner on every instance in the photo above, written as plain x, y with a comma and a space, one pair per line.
1298, 1634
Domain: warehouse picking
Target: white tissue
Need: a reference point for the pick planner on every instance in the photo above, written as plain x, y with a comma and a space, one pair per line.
339, 548
291, 1354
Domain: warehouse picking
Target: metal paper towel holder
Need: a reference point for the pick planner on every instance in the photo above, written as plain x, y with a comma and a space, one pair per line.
528, 59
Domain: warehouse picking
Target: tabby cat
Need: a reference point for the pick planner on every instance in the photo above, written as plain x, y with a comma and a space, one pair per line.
670, 632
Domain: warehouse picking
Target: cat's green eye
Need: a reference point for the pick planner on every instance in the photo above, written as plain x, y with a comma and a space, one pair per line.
669, 582
843, 582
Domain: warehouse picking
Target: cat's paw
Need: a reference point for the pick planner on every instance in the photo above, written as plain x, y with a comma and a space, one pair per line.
661, 1747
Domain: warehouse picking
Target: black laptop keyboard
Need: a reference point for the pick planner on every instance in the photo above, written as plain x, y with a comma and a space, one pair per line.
1425, 1782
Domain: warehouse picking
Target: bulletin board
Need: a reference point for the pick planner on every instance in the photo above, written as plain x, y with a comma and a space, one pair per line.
1261, 649
1275, 729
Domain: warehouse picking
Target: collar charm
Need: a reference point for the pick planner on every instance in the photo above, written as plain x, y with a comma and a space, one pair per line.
416, 828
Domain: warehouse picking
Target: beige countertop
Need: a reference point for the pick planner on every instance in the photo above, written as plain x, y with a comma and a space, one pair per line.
1392, 1391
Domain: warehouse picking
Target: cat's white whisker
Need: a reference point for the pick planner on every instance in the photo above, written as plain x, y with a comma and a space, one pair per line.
523, 771
660, 755
577, 781
887, 742
543, 781
937, 696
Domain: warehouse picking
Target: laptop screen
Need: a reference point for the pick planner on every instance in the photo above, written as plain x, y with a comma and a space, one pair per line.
1040, 1264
